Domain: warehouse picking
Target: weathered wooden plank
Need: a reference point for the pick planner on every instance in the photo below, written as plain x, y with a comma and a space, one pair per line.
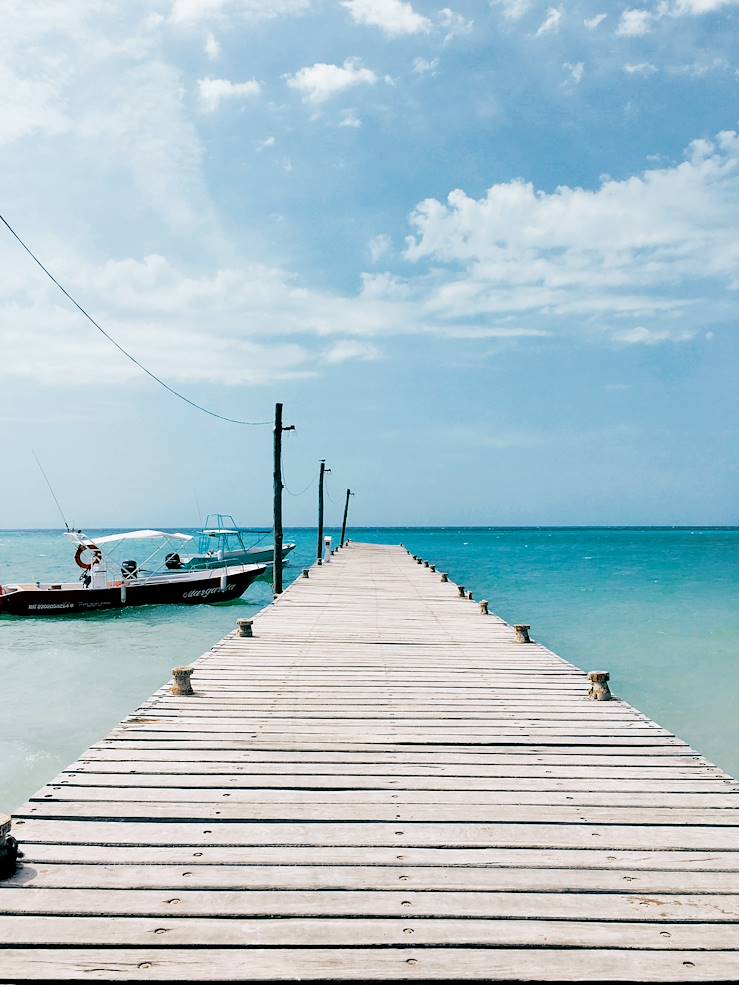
306, 931
363, 964
446, 813
529, 858
455, 834
372, 877
652, 907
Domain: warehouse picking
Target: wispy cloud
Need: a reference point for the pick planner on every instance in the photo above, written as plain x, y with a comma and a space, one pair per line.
593, 22
513, 9
551, 22
212, 47
644, 69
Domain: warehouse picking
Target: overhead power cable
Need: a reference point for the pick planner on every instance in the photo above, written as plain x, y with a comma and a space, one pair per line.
302, 491
125, 352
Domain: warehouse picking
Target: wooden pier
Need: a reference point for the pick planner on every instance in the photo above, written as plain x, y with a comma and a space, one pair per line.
381, 783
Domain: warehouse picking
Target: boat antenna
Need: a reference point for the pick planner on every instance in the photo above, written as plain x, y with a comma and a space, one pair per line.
53, 494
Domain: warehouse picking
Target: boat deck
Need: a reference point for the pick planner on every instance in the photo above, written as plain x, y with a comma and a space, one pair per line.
380, 784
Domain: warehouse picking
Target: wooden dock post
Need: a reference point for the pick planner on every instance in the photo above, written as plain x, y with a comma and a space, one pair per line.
321, 476
245, 627
484, 607
522, 633
306, 573
10, 852
443, 576
181, 680
599, 690
277, 499
461, 590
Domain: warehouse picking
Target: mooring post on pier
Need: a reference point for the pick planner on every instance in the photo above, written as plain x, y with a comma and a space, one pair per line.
9, 850
244, 627
306, 573
522, 633
181, 681
599, 690
461, 590
484, 606
443, 576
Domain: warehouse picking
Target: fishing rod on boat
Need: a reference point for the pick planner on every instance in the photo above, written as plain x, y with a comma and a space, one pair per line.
51, 490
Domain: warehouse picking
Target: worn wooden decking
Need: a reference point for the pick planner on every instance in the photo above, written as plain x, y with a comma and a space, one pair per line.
381, 784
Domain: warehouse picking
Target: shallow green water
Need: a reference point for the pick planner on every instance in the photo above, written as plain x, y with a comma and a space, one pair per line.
658, 608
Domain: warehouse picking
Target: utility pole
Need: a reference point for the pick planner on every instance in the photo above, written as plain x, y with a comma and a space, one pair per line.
319, 552
346, 511
277, 522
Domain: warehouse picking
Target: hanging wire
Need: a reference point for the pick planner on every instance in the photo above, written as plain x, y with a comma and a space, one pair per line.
134, 360
326, 490
302, 491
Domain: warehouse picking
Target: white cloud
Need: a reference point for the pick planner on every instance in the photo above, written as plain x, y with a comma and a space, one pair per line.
379, 246
394, 17
266, 143
212, 92
640, 68
350, 119
320, 82
30, 106
425, 66
634, 23
593, 22
683, 8
191, 11
551, 21
212, 47
513, 9
346, 350
650, 247
454, 24
575, 72
639, 335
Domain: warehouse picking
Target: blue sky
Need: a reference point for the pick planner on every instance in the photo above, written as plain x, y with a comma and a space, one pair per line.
486, 254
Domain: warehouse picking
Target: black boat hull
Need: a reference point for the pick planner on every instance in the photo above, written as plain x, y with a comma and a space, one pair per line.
206, 587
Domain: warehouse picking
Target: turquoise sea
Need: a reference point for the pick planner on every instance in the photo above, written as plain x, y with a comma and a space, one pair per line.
658, 608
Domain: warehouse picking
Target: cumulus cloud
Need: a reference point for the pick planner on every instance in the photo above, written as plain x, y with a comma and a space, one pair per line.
652, 246
212, 92
634, 23
394, 17
551, 22
319, 82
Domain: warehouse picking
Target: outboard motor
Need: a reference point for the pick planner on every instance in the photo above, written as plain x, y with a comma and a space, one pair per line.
129, 569
173, 561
